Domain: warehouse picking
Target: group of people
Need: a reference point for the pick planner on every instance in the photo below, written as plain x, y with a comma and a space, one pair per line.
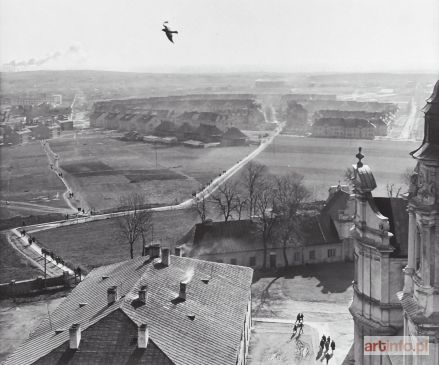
325, 344
298, 325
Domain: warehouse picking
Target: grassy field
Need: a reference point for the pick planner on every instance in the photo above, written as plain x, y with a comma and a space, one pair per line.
101, 168
93, 244
25, 176
14, 266
323, 161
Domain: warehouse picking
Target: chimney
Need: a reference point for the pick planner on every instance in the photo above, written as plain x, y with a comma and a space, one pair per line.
75, 336
143, 294
182, 294
111, 294
154, 251
142, 336
178, 251
166, 256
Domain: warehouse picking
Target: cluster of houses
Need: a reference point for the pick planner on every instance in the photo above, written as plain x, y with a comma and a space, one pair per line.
325, 116
21, 123
194, 129
350, 124
18, 131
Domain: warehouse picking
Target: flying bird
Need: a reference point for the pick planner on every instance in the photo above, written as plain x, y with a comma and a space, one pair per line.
168, 31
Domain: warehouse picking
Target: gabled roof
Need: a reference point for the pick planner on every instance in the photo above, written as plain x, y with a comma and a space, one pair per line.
208, 130
243, 235
166, 126
212, 337
234, 133
186, 128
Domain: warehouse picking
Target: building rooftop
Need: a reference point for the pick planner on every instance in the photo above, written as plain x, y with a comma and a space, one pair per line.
234, 133
204, 328
237, 236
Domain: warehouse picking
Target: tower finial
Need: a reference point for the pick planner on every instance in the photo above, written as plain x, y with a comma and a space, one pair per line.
360, 156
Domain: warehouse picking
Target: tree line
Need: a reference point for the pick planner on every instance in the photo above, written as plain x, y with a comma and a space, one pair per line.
270, 201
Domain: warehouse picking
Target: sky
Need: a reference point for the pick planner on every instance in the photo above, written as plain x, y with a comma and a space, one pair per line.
222, 35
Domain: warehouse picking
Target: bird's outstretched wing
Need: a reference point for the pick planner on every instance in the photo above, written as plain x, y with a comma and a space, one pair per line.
169, 35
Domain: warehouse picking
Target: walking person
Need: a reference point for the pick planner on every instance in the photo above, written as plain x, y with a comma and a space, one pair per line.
324, 338
332, 346
300, 328
326, 346
294, 331
298, 317
322, 344
301, 317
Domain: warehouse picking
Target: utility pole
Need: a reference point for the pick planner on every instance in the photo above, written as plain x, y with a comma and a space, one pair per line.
155, 149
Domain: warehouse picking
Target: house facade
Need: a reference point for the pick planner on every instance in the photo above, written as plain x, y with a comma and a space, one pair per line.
323, 237
343, 128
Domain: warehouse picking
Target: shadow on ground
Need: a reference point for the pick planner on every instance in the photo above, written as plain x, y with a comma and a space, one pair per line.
332, 278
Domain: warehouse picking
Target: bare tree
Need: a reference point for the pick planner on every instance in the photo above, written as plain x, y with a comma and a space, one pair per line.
392, 191
290, 193
264, 200
136, 223
253, 176
226, 199
241, 204
200, 207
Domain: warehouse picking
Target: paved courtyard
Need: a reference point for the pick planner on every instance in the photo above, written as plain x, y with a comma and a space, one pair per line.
323, 294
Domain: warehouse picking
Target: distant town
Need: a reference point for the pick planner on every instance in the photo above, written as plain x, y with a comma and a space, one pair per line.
249, 218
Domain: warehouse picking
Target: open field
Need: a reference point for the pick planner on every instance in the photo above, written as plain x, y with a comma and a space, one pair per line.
323, 161
321, 292
101, 168
25, 177
93, 244
14, 266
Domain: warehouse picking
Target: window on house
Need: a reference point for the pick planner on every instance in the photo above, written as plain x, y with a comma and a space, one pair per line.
296, 256
331, 252
312, 255
233, 261
252, 261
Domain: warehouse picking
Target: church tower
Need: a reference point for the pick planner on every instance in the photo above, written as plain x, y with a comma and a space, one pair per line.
420, 297
379, 256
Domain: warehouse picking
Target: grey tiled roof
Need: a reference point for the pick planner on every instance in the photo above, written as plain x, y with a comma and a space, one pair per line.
212, 337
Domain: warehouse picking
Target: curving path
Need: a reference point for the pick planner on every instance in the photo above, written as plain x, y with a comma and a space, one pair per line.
31, 250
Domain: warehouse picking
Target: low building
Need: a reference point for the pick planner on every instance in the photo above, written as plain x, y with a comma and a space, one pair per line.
165, 129
66, 125
13, 136
156, 309
208, 133
234, 137
185, 132
239, 243
193, 144
343, 128
46, 131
